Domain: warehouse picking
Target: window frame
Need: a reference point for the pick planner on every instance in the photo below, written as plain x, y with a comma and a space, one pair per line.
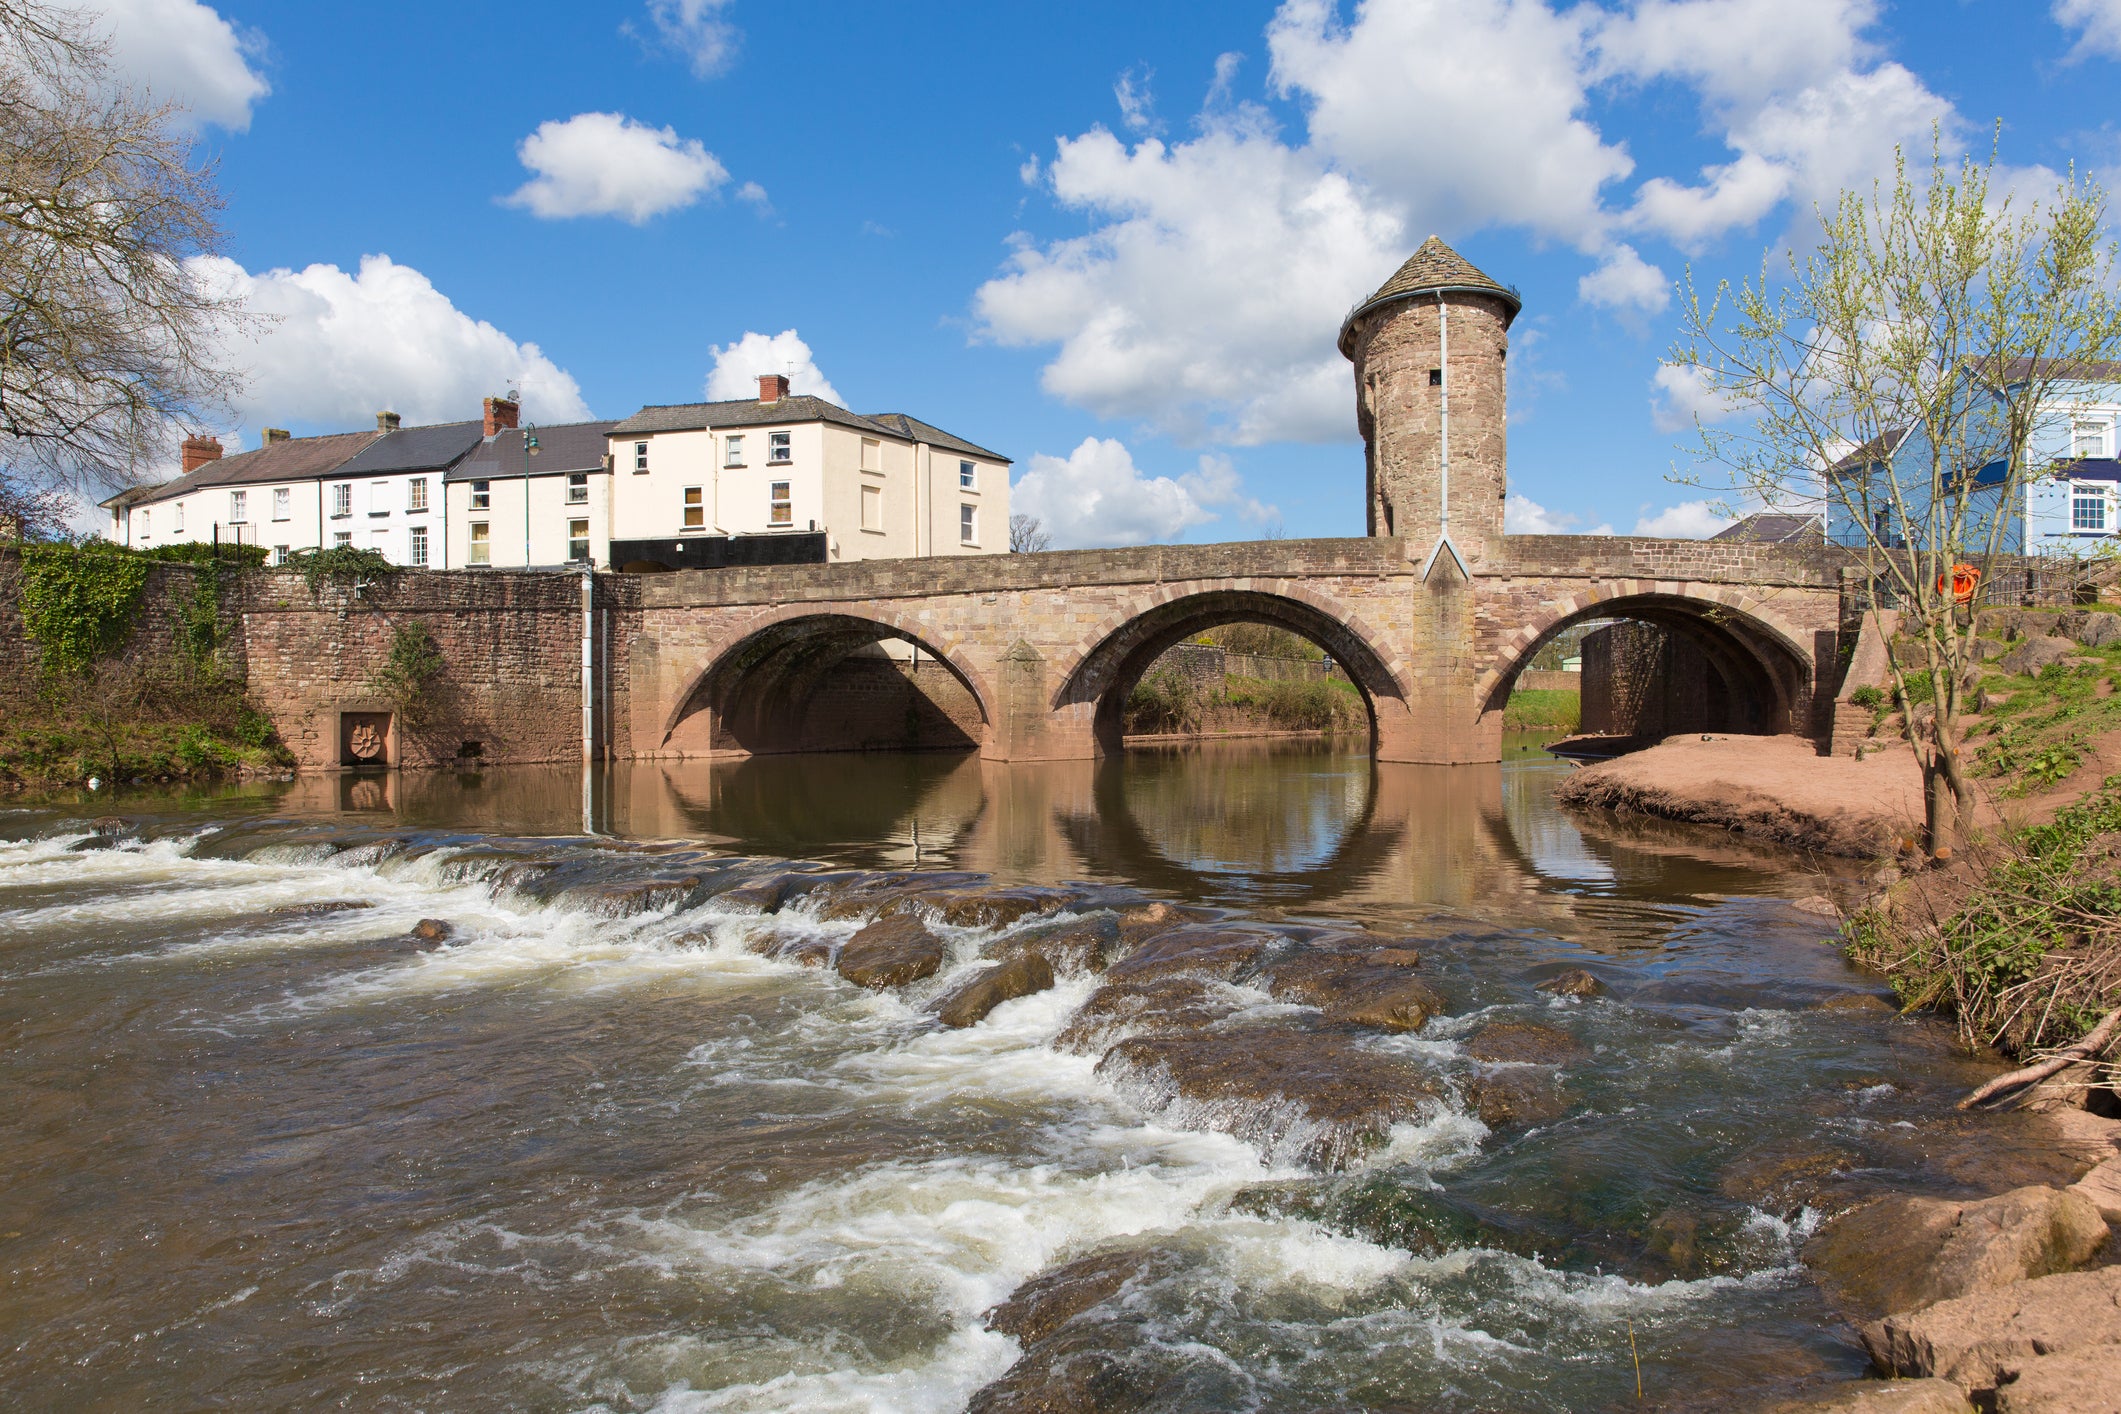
574, 539
968, 477
640, 458
873, 496
341, 538
283, 503
416, 546
2090, 509
478, 543
967, 523
692, 509
341, 500
577, 481
780, 503
481, 496
780, 449
176, 524
733, 451
416, 495
2099, 429
239, 507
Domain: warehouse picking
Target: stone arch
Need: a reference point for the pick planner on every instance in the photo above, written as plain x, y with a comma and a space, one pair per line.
756, 687
1109, 660
1757, 653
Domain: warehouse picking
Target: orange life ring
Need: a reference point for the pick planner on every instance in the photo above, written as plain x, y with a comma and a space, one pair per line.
1964, 580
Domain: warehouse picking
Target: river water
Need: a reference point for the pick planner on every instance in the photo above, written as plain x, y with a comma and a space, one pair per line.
586, 1156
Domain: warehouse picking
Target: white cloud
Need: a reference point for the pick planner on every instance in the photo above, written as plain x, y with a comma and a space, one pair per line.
1097, 496
1466, 111
185, 52
2098, 23
1521, 515
1207, 298
1137, 104
1689, 520
1626, 282
697, 30
1736, 51
606, 164
737, 367
1682, 395
333, 349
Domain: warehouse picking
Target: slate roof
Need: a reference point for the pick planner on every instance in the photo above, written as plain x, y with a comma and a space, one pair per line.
1435, 268
415, 449
798, 407
297, 459
567, 447
1775, 528
1871, 452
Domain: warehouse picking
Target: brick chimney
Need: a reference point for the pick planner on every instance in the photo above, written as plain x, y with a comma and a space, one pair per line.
386, 422
198, 451
501, 414
772, 387
277, 434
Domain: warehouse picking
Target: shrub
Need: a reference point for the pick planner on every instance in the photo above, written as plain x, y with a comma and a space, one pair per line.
1867, 697
78, 601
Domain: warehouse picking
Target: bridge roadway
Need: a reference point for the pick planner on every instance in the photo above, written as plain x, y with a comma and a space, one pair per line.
1032, 657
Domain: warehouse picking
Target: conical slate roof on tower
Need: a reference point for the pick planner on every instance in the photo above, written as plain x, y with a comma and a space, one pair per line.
1432, 269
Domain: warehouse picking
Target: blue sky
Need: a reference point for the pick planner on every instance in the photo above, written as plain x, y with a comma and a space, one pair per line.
1112, 241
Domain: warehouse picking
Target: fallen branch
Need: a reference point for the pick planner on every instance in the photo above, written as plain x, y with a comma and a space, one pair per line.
2093, 1043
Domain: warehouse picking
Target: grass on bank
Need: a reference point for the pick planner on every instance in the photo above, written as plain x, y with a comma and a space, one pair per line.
1543, 709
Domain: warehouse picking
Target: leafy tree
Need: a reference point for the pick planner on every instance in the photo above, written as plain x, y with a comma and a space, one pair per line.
1911, 361
108, 336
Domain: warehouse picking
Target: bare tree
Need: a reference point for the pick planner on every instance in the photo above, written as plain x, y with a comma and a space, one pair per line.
29, 512
108, 337
1908, 373
1027, 536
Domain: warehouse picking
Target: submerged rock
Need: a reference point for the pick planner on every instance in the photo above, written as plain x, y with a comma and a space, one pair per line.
1974, 1341
1373, 987
874, 895
318, 910
1516, 1096
1139, 924
992, 906
1162, 1006
1315, 1095
1083, 1368
432, 930
1069, 949
1526, 1042
1901, 1254
1198, 950
891, 952
1573, 983
1883, 1397
1019, 976
1048, 1301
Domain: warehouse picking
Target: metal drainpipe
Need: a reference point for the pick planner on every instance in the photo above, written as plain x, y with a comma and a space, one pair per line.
589, 681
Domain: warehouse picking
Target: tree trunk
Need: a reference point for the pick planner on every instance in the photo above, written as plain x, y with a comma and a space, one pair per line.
1940, 808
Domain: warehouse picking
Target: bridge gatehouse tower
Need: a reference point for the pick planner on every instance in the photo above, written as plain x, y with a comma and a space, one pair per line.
1429, 349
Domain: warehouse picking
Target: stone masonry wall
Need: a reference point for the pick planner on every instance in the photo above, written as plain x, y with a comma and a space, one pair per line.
154, 638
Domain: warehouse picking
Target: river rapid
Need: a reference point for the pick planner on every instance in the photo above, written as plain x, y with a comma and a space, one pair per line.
593, 1151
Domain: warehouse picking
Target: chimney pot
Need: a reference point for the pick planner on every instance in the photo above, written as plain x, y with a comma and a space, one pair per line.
198, 451
386, 422
501, 414
277, 434
772, 387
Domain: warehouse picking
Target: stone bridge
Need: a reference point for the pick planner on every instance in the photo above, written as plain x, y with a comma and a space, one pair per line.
1033, 657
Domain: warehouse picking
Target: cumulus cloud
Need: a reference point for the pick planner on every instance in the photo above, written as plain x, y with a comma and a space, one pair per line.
1521, 515
1206, 298
696, 30
1097, 496
1682, 396
606, 164
1626, 282
331, 349
185, 52
737, 367
1689, 520
2097, 23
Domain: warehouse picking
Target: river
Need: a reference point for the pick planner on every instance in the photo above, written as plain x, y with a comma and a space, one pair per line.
583, 1156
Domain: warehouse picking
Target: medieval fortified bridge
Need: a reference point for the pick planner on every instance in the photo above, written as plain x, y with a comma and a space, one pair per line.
1032, 657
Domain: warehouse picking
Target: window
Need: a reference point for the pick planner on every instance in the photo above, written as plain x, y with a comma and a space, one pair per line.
283, 503
341, 537
178, 512
147, 520
578, 540
783, 512
379, 498
2087, 439
2087, 508
481, 546
416, 494
695, 509
778, 451
482, 495
279, 554
1436, 378
578, 488
342, 500
873, 509
968, 524
734, 455
640, 456
379, 541
967, 477
872, 454
238, 507
416, 546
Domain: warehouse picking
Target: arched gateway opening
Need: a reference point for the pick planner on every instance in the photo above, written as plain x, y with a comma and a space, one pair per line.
1105, 678
1658, 665
829, 682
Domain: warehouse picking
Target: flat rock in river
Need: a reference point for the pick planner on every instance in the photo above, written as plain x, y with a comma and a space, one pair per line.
1900, 1254
1975, 1340
1050, 1300
1372, 987
1199, 950
891, 952
1019, 976
1524, 1041
1069, 948
1160, 1006
1883, 1397
1316, 1093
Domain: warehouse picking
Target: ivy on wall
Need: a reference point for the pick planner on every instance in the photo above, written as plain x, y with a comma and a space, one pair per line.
78, 601
408, 673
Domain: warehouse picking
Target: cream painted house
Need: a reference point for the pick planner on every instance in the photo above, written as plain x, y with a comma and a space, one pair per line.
538, 496
686, 479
